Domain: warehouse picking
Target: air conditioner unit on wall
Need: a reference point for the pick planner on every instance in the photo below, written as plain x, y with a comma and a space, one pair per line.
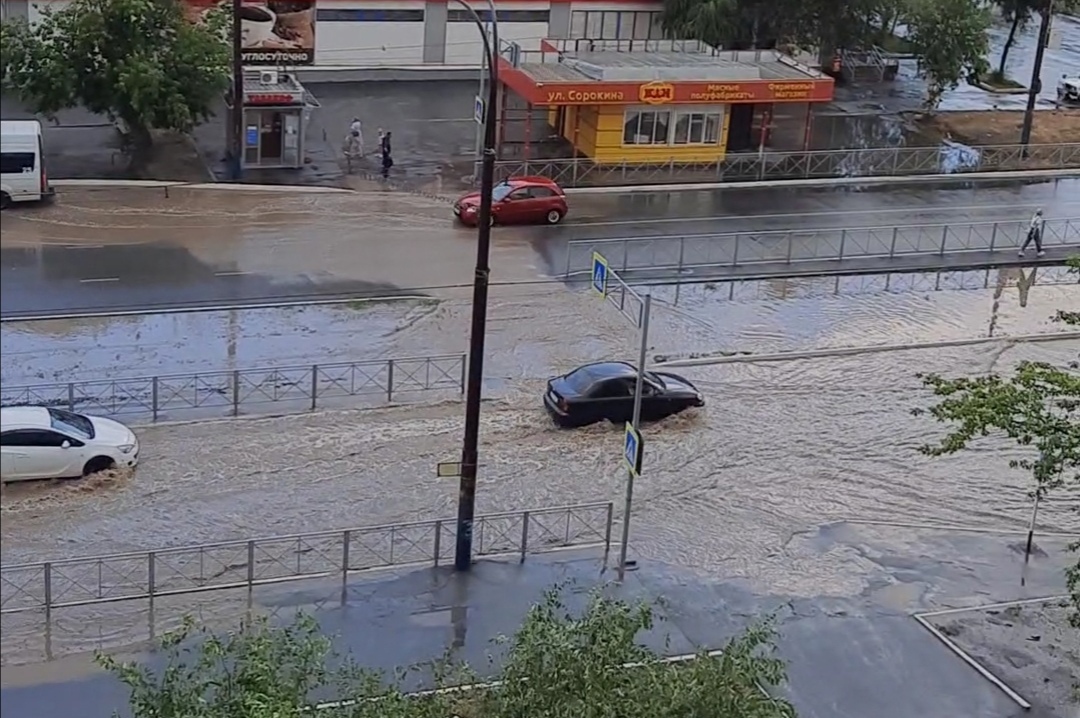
268, 77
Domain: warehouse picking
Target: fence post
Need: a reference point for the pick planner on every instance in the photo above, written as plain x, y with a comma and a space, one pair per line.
236, 392
735, 255
843, 241
71, 396
892, 246
48, 590
944, 237
790, 244
151, 580
524, 536
154, 393
346, 539
464, 372
438, 541
314, 386
993, 237
390, 380
250, 564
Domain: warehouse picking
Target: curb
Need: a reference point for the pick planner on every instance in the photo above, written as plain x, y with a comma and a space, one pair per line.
1007, 176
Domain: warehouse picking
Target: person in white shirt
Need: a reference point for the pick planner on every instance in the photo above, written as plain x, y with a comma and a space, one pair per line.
1034, 234
355, 140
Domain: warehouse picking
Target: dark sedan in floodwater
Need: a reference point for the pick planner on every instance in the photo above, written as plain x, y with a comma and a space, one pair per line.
605, 390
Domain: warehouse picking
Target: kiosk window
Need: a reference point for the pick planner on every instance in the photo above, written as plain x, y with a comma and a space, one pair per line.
646, 127
12, 163
697, 128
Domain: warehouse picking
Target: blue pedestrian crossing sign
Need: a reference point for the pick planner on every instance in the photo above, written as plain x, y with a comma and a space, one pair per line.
632, 450
599, 274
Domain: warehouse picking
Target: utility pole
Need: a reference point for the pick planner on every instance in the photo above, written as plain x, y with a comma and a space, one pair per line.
474, 384
237, 144
632, 471
1036, 75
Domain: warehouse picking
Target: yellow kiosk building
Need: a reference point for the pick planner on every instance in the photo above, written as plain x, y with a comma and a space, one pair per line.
636, 101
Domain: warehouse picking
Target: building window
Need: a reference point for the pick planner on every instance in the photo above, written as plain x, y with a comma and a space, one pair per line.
646, 127
616, 25
368, 15
696, 128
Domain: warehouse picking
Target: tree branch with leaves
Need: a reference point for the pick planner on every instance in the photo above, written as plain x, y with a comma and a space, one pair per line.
559, 664
140, 62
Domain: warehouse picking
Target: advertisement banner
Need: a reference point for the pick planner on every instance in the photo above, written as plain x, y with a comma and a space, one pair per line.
273, 32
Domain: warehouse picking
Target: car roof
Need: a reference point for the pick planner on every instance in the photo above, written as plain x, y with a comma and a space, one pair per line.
608, 370
532, 180
24, 417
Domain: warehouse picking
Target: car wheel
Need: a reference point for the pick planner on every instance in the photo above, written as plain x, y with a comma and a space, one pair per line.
96, 464
5, 200
554, 216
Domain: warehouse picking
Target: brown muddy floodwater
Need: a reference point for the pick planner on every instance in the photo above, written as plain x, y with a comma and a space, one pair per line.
781, 446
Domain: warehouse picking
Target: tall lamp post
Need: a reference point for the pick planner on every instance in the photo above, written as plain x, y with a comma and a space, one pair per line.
236, 148
474, 384
1036, 75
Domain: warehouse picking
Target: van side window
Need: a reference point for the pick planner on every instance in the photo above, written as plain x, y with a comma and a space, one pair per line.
12, 163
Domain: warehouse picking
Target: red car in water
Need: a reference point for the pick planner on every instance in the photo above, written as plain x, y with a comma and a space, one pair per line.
518, 200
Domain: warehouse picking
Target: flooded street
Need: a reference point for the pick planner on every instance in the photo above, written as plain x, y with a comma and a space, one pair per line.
535, 331
137, 251
741, 464
781, 445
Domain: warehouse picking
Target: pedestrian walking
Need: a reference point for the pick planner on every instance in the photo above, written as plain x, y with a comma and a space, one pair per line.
355, 139
385, 149
1034, 234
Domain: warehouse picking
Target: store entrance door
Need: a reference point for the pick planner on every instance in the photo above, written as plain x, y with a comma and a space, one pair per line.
270, 137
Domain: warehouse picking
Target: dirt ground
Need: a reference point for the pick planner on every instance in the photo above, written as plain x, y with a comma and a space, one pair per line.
1002, 127
1031, 648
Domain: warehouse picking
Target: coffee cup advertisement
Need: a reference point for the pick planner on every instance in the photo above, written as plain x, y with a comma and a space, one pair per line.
272, 32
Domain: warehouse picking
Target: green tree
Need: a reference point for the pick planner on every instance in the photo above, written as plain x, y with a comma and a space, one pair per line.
557, 665
1037, 407
1018, 13
137, 61
950, 41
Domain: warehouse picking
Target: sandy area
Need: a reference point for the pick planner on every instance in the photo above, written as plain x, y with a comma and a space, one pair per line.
1001, 127
1031, 648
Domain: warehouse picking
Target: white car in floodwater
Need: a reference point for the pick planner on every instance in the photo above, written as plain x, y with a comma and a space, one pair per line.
38, 442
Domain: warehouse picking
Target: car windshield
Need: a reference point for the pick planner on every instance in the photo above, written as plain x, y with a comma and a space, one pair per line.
74, 424
501, 191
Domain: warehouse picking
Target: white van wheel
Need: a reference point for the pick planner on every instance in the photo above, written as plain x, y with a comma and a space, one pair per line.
5, 200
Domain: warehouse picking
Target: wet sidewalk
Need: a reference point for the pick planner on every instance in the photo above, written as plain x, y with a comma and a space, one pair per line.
842, 595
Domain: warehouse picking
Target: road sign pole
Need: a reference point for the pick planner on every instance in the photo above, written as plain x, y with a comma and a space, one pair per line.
635, 422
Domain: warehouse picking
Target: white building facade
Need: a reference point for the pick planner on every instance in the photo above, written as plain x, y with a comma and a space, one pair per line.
371, 34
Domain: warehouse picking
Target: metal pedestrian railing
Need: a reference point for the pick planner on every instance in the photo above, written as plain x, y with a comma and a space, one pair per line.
147, 575
792, 247
300, 387
883, 161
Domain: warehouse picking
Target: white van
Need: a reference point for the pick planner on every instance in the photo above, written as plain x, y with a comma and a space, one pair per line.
22, 163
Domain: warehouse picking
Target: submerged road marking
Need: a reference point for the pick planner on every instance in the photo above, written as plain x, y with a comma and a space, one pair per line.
100, 279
